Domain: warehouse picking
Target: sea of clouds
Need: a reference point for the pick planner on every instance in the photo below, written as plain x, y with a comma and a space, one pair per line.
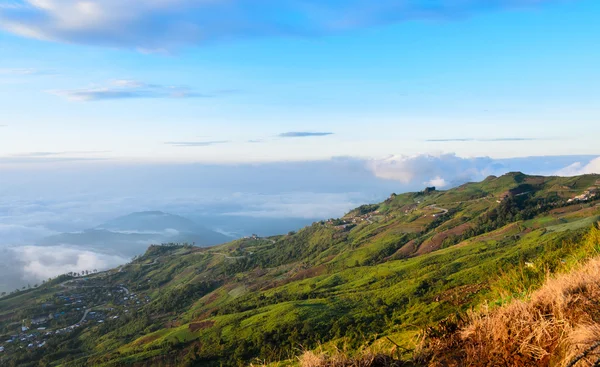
73, 198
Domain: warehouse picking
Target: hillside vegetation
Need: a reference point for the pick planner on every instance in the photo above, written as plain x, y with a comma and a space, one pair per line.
557, 325
372, 280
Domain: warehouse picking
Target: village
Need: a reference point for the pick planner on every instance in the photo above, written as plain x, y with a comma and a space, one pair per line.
81, 303
589, 194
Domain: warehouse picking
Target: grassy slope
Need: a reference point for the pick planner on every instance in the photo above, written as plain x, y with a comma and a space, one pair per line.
556, 325
382, 275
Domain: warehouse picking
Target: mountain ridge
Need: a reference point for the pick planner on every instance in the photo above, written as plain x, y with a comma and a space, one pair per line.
385, 270
150, 220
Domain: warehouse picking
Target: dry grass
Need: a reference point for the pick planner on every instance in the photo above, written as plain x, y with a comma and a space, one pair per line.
339, 358
557, 326
342, 359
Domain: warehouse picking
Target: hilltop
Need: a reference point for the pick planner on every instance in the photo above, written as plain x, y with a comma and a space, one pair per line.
376, 277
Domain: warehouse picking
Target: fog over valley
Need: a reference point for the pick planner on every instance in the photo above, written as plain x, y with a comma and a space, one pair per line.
100, 217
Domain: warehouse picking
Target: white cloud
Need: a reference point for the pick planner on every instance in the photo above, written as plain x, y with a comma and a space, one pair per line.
579, 168
46, 262
429, 168
450, 170
437, 182
164, 24
128, 89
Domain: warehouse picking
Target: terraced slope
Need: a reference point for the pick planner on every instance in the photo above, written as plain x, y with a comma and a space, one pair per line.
382, 272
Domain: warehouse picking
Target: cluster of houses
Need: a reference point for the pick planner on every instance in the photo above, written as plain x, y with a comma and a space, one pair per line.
588, 194
365, 217
65, 330
29, 339
352, 221
35, 331
96, 316
72, 299
133, 300
40, 320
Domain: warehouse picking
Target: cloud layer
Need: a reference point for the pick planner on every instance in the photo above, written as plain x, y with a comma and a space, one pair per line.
581, 168
160, 25
128, 89
195, 143
53, 157
302, 134
432, 169
241, 199
29, 265
479, 140
45, 262
451, 170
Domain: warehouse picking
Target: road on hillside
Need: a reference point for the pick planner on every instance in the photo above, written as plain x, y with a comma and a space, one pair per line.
152, 263
87, 310
445, 211
227, 256
85, 313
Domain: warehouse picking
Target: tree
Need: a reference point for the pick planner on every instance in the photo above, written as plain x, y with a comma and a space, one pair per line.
3, 294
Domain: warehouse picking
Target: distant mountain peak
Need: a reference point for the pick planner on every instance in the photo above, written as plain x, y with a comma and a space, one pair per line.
148, 213
150, 220
132, 233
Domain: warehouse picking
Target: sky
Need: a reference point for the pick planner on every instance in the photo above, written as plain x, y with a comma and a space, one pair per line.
262, 115
254, 81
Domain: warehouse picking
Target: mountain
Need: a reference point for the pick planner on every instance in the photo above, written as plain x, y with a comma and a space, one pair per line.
383, 277
133, 233
151, 221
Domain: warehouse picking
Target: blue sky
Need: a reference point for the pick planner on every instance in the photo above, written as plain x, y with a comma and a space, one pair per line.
290, 110
254, 81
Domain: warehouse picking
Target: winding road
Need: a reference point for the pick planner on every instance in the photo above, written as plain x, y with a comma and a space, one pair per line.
445, 211
87, 310
227, 256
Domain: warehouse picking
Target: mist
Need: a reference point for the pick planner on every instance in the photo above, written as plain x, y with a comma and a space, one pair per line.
38, 201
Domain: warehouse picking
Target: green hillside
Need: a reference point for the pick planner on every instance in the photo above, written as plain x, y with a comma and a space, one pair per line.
376, 277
